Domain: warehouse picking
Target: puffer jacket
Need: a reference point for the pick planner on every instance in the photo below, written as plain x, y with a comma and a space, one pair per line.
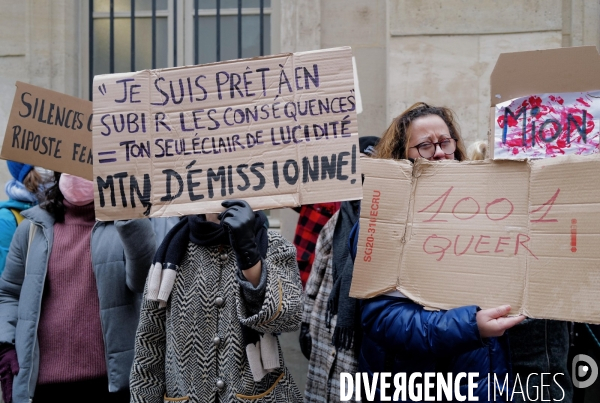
8, 225
401, 336
122, 253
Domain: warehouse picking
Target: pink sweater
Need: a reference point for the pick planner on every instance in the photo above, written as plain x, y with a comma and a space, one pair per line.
69, 331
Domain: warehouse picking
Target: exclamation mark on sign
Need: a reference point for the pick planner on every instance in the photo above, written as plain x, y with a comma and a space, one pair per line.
573, 235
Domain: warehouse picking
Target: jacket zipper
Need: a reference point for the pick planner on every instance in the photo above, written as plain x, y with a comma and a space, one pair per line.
96, 225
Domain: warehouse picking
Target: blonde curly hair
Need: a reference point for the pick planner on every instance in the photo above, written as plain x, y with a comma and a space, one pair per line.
477, 151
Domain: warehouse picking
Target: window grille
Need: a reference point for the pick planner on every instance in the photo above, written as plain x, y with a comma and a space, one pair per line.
131, 35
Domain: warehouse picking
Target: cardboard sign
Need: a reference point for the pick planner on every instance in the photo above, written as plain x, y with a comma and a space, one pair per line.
545, 103
275, 131
51, 130
487, 233
548, 125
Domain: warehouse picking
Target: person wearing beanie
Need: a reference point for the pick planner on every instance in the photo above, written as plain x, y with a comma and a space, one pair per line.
22, 191
330, 331
69, 300
220, 290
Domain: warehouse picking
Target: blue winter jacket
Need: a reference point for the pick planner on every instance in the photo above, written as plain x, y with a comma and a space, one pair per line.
8, 225
401, 336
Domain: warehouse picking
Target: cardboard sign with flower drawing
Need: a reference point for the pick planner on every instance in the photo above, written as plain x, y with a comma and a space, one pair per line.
547, 125
547, 109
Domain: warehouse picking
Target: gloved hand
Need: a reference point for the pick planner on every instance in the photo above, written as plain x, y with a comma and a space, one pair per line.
239, 221
305, 340
9, 367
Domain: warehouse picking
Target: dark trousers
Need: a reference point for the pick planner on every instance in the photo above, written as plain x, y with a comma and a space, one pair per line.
89, 391
541, 346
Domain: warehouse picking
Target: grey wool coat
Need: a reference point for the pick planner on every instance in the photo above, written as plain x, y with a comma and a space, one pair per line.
122, 252
193, 349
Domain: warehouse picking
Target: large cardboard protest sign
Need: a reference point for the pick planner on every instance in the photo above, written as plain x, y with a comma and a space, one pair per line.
548, 111
276, 131
448, 234
50, 129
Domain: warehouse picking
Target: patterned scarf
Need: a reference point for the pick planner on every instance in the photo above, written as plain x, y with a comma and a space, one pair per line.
347, 328
197, 230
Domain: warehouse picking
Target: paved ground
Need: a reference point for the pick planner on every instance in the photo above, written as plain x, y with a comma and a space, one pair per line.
294, 360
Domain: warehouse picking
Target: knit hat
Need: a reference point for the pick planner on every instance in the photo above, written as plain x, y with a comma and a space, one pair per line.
366, 144
19, 170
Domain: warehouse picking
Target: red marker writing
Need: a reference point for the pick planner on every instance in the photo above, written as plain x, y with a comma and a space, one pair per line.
573, 235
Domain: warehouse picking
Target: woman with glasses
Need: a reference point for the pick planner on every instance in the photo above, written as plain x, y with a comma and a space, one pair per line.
422, 131
400, 336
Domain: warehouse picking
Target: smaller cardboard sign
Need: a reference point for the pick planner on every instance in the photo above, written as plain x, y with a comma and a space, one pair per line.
545, 103
276, 131
51, 130
486, 233
547, 125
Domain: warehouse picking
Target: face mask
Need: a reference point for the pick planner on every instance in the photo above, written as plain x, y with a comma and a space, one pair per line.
77, 191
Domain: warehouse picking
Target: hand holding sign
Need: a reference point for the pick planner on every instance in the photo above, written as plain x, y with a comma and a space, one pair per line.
493, 323
504, 236
238, 219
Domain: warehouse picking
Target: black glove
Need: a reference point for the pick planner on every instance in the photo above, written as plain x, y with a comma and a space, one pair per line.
305, 340
239, 221
9, 367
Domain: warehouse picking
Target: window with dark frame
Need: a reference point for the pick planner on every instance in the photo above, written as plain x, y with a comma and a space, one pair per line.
132, 35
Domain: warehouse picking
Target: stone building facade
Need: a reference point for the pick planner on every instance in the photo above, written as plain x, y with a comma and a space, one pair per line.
437, 51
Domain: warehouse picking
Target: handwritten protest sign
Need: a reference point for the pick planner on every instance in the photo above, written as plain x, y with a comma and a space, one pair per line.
548, 109
51, 130
547, 125
448, 234
276, 131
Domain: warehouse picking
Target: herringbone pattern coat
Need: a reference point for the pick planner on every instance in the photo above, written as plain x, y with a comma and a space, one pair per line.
177, 357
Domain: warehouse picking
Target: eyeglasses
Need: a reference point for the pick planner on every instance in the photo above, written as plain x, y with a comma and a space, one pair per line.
427, 150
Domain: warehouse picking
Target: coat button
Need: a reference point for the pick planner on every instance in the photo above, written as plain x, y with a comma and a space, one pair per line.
216, 340
223, 256
219, 302
220, 384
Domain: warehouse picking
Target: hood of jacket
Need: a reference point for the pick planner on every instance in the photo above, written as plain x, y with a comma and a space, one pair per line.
39, 216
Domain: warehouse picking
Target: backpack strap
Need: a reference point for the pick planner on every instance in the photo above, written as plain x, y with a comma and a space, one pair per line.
32, 229
17, 215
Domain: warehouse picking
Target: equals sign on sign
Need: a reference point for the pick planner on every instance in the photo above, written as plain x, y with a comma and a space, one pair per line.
105, 160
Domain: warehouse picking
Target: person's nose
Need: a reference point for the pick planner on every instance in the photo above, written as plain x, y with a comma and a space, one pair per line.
439, 153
